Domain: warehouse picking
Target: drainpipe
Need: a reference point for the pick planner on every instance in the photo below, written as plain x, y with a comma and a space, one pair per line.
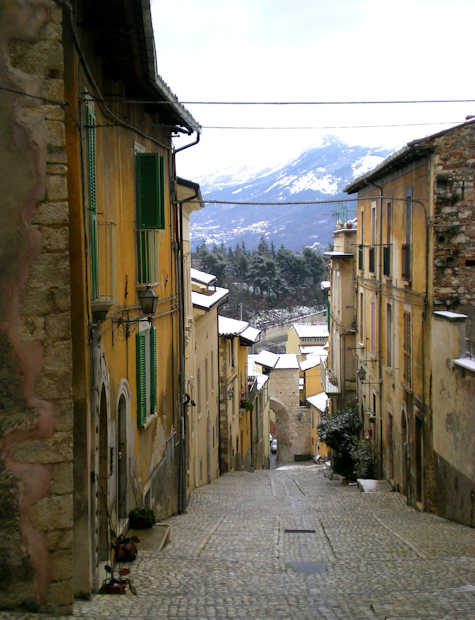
380, 322
187, 146
181, 309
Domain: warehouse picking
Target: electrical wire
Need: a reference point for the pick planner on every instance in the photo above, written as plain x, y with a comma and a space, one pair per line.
276, 128
290, 103
15, 91
298, 202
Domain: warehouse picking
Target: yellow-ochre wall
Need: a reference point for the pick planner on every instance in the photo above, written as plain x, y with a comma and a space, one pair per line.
313, 383
244, 414
204, 423
293, 341
115, 175
387, 395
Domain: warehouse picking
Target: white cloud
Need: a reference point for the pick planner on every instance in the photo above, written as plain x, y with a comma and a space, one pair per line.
311, 50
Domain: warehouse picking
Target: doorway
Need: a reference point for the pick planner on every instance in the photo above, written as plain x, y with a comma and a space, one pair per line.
122, 459
102, 488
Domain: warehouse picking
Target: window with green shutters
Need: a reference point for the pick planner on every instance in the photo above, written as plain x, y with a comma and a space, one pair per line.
150, 196
146, 354
92, 205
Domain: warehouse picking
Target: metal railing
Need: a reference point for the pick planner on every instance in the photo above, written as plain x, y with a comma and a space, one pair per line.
106, 243
147, 256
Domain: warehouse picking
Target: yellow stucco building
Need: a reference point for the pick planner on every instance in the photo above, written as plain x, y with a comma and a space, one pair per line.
415, 260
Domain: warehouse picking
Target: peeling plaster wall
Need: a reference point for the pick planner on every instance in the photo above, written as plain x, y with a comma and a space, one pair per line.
453, 395
35, 326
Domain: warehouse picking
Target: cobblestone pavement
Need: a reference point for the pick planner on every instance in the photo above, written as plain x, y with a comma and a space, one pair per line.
237, 553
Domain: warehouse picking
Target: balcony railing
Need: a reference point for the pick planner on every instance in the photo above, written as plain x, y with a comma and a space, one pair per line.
104, 274
371, 259
147, 256
387, 260
406, 262
251, 388
361, 257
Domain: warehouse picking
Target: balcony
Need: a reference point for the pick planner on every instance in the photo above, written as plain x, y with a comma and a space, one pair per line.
328, 378
387, 260
406, 262
104, 269
371, 254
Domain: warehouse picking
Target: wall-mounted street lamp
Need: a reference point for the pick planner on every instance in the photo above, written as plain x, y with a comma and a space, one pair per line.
148, 299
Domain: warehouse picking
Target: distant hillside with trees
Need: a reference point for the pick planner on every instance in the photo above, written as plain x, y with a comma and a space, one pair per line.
265, 278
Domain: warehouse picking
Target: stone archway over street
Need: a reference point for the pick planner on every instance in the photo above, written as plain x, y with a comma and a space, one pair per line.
282, 429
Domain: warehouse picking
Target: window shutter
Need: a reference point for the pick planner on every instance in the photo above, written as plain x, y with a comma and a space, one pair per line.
93, 253
91, 158
92, 203
150, 191
141, 378
153, 369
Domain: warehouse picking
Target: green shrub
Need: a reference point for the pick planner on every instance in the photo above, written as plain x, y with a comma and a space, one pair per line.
340, 431
364, 458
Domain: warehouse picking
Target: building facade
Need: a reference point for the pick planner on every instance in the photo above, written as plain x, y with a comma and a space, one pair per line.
340, 367
93, 410
415, 257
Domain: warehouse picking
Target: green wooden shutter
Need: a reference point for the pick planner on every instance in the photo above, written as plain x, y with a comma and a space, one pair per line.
92, 202
141, 378
150, 182
153, 369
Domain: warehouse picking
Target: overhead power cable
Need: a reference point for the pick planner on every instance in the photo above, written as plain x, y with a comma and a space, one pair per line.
289, 103
380, 102
295, 202
296, 127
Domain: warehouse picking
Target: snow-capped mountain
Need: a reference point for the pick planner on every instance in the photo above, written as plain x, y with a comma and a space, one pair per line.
318, 174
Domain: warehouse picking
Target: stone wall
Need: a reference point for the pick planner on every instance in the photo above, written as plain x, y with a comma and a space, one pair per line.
293, 423
35, 325
453, 225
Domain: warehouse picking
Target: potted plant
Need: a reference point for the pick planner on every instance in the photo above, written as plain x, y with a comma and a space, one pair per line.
141, 518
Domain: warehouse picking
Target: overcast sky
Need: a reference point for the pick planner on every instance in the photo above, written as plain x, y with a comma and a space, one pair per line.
312, 50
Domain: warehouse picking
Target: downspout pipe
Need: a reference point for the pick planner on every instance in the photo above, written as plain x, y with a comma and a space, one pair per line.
187, 146
380, 322
181, 309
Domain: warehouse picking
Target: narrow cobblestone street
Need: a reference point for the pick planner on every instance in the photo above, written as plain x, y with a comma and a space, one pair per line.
237, 553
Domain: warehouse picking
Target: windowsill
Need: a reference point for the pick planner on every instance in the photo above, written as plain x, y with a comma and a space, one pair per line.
149, 421
142, 285
100, 307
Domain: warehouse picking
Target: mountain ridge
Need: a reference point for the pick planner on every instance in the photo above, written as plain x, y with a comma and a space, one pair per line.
317, 174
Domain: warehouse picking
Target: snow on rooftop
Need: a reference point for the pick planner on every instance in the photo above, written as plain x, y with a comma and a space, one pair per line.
266, 358
310, 362
320, 401
202, 277
466, 362
446, 314
208, 301
251, 334
230, 327
261, 381
286, 361
314, 349
320, 330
